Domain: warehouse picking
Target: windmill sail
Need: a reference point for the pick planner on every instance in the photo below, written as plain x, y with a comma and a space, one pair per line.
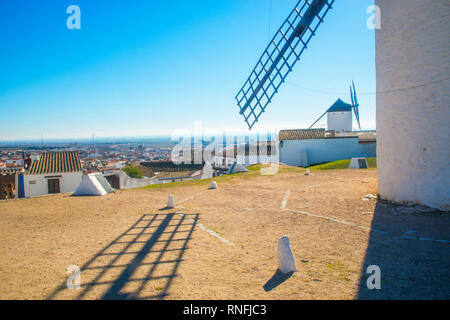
280, 57
355, 103
318, 119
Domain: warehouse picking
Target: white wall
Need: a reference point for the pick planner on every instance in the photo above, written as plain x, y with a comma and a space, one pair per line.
129, 183
412, 49
222, 162
339, 121
323, 150
68, 182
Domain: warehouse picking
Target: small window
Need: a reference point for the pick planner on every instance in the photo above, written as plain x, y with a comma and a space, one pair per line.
53, 186
32, 181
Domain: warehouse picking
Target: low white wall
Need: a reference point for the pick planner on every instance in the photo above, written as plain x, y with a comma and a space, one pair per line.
292, 152
129, 183
245, 160
68, 182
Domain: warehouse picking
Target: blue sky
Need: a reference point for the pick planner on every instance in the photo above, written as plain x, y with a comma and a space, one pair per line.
142, 68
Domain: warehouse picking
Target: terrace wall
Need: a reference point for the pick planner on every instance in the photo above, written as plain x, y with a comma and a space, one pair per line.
303, 153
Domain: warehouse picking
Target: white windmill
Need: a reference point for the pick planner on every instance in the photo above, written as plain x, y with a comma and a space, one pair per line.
339, 115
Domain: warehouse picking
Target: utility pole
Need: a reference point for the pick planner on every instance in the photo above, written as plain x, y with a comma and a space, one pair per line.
93, 144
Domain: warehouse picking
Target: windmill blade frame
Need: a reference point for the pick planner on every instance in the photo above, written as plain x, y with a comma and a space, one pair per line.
280, 56
318, 119
355, 103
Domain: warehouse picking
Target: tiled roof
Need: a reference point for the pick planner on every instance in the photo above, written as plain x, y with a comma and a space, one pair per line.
367, 138
11, 171
56, 162
302, 134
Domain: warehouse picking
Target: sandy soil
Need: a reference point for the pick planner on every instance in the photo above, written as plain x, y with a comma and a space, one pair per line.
128, 248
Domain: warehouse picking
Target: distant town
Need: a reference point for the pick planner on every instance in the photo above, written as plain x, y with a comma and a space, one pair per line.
93, 156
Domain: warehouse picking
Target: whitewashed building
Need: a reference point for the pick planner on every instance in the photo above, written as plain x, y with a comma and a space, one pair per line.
306, 147
53, 172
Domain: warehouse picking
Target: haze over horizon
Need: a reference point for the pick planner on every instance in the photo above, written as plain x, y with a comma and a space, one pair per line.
147, 69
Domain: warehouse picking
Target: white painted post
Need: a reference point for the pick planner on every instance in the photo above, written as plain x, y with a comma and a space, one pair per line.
170, 202
286, 261
213, 185
307, 172
16, 182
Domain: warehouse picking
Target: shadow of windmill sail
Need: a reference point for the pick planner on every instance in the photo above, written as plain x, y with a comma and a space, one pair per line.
139, 264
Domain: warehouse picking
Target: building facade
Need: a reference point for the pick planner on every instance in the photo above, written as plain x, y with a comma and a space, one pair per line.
52, 173
306, 147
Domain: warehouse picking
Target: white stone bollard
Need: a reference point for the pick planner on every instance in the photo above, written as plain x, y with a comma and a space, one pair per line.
286, 261
213, 185
307, 172
170, 202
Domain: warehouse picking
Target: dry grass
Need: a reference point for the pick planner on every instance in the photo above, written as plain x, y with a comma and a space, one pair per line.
41, 237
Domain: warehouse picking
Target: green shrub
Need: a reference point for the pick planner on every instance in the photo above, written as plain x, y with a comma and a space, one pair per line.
133, 172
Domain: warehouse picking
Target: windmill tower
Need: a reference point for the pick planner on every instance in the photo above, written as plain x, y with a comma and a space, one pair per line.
413, 88
279, 58
339, 115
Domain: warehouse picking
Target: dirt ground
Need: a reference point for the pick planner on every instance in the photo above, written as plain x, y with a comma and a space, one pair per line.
222, 244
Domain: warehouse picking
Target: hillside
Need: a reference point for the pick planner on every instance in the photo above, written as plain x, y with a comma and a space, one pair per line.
216, 244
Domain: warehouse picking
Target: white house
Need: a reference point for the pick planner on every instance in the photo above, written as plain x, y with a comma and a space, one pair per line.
53, 172
306, 147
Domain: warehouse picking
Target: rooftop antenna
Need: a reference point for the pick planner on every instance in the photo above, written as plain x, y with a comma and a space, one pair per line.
93, 146
279, 58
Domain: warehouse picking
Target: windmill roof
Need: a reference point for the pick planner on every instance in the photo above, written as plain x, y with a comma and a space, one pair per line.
340, 106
